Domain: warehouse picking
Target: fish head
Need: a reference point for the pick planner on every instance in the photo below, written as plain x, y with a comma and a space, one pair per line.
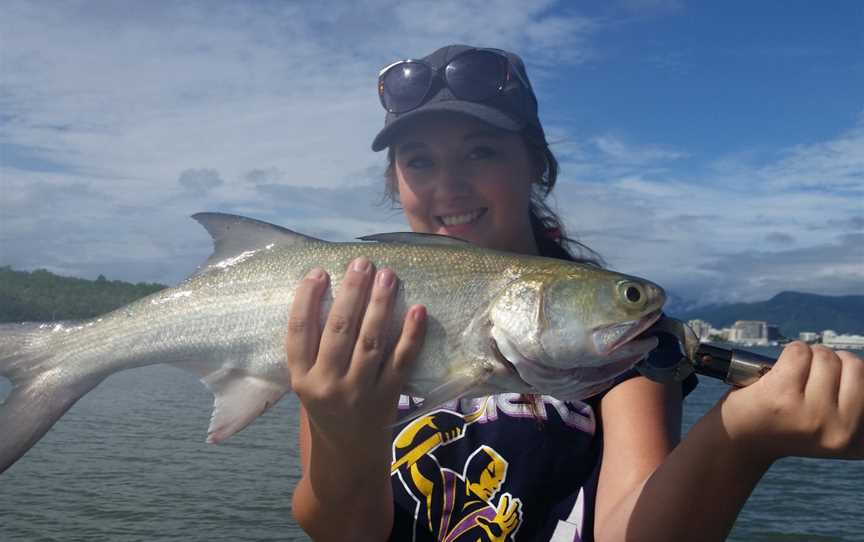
575, 327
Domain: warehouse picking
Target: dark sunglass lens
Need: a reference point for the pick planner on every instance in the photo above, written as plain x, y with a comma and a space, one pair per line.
404, 86
477, 75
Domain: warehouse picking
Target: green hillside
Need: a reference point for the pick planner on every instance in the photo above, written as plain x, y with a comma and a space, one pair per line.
40, 296
793, 312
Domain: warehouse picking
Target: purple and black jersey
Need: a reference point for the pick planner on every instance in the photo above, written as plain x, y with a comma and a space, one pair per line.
497, 469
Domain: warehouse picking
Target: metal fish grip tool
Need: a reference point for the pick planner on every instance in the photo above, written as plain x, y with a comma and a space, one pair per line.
736, 367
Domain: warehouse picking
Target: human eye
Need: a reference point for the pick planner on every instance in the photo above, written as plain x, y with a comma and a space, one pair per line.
418, 162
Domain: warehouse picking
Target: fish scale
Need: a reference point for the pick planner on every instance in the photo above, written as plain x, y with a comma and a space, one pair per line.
488, 326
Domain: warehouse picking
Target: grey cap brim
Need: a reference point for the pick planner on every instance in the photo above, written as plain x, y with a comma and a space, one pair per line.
479, 111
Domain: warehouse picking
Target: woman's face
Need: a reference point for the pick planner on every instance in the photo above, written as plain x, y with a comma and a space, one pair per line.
458, 176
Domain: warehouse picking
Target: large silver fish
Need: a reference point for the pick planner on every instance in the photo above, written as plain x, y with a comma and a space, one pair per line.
498, 322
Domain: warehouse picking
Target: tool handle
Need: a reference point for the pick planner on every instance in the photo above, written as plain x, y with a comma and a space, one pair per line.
737, 367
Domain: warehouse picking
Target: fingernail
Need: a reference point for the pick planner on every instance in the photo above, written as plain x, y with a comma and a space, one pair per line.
315, 274
418, 313
385, 278
361, 264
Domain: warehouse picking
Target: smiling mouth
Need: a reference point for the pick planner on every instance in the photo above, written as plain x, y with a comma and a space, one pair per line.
461, 218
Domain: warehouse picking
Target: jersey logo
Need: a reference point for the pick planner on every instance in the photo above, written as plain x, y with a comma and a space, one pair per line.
457, 506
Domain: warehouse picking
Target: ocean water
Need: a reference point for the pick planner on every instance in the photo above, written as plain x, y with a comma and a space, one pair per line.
129, 463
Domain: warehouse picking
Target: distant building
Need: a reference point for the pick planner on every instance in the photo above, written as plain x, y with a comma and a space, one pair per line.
847, 342
808, 336
701, 328
750, 332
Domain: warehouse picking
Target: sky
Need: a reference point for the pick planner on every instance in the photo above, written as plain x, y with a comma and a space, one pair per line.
716, 148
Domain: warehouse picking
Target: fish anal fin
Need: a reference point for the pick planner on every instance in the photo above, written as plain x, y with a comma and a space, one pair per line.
460, 383
239, 398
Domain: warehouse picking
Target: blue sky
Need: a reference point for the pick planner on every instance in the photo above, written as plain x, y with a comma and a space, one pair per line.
714, 147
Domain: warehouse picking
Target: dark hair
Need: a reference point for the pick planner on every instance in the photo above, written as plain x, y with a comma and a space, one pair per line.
546, 225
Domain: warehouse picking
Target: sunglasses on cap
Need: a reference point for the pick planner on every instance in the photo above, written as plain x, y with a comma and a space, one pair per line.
475, 76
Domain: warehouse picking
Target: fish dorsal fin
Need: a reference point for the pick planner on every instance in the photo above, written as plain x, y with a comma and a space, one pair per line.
412, 238
235, 236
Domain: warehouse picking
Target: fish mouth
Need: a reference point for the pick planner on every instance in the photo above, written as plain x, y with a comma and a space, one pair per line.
608, 339
623, 354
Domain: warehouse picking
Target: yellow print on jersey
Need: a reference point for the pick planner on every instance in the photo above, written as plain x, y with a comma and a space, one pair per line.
458, 507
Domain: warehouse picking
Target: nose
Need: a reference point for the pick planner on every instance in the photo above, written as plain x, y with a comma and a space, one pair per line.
455, 180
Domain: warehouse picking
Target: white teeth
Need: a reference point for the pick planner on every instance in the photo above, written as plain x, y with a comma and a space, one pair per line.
455, 220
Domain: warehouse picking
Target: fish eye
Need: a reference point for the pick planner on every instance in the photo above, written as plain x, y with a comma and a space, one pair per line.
632, 293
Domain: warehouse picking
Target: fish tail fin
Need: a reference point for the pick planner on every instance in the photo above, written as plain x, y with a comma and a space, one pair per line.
39, 395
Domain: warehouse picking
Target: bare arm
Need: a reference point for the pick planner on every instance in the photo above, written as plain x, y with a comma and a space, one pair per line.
349, 389
810, 405
650, 489
641, 426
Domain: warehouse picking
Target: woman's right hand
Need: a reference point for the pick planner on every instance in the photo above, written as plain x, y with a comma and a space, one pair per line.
346, 375
348, 379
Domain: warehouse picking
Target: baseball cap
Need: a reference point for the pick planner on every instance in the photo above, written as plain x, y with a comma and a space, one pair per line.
513, 109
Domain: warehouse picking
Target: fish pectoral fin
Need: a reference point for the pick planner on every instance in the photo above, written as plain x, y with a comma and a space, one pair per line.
239, 398
459, 383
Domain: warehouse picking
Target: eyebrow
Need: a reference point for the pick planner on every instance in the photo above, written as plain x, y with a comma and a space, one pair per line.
479, 134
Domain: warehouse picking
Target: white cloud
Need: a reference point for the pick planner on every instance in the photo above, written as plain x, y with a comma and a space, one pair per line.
837, 164
138, 115
618, 151
712, 238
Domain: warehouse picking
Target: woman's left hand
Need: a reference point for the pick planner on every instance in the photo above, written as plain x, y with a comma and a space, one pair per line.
810, 404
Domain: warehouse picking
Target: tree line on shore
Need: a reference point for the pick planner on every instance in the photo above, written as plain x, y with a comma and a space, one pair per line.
42, 296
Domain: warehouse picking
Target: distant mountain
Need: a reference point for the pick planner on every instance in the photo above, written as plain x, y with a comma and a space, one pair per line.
42, 296
675, 304
793, 312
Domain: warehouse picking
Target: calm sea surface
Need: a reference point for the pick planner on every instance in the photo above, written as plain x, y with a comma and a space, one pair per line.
129, 463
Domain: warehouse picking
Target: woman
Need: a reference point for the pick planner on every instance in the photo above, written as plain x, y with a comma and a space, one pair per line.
469, 159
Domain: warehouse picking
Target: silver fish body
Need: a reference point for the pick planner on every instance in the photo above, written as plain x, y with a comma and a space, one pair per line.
498, 322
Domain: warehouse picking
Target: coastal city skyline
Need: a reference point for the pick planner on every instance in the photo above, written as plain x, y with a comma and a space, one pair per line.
763, 333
